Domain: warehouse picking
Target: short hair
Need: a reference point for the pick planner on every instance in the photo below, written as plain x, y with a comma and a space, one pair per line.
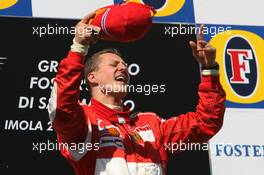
92, 63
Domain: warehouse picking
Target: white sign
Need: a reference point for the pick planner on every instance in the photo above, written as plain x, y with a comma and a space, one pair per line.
238, 149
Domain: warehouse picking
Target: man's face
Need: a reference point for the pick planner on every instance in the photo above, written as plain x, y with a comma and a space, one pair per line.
112, 75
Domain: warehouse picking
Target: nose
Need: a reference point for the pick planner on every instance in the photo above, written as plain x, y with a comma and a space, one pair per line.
122, 66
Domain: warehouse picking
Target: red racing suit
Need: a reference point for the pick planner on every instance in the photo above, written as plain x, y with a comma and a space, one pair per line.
105, 141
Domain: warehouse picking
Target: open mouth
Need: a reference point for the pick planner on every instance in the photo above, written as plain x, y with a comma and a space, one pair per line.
121, 78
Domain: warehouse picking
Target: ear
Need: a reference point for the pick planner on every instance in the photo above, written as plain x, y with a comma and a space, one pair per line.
91, 78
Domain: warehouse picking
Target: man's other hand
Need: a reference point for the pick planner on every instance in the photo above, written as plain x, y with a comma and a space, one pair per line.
86, 33
204, 52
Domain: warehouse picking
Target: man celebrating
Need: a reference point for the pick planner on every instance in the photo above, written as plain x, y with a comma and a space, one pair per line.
112, 140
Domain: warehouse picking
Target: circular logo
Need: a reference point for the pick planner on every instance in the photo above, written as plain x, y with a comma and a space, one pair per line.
240, 54
241, 66
164, 7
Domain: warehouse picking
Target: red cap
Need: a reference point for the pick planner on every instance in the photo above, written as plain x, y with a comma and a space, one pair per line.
125, 22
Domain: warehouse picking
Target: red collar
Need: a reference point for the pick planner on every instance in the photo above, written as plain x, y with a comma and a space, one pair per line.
112, 115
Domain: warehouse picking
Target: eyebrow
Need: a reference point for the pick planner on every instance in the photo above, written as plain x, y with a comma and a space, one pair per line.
117, 61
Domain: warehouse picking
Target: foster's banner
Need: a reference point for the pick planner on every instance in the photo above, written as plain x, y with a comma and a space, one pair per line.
240, 52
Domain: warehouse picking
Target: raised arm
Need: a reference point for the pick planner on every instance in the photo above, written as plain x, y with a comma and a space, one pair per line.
207, 120
65, 112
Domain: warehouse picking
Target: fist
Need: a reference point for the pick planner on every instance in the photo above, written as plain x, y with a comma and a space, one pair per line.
86, 33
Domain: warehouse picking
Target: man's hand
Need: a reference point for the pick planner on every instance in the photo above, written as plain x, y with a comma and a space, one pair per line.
86, 33
204, 52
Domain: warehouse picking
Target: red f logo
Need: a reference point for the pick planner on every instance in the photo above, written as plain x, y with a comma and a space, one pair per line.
240, 65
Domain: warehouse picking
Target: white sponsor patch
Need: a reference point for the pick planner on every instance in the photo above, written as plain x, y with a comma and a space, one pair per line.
147, 136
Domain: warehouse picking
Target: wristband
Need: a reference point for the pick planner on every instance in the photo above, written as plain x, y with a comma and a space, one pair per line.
79, 48
207, 72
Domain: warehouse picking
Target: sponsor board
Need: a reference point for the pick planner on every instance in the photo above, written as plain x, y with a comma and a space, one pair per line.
240, 53
238, 148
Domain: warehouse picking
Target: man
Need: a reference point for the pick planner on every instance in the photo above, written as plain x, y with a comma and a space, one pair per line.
121, 143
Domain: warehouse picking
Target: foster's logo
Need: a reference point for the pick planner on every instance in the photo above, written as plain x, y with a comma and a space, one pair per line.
241, 66
240, 54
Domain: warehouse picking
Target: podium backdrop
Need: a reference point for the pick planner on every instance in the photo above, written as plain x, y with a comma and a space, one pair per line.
36, 35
